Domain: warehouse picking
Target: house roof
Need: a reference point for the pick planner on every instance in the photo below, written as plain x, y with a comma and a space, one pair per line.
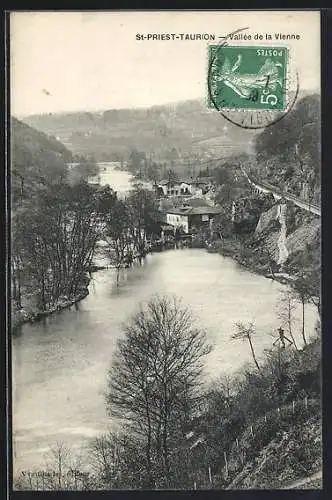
194, 210
198, 202
165, 182
206, 210
203, 180
188, 180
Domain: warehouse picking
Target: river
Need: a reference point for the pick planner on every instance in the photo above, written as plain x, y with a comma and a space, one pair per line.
60, 363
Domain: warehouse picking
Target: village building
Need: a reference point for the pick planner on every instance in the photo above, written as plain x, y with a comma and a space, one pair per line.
187, 217
184, 187
172, 188
201, 185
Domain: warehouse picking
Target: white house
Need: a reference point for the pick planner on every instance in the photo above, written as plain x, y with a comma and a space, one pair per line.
185, 187
176, 218
187, 217
173, 188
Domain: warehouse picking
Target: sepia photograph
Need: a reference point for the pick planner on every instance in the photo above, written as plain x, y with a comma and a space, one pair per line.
165, 250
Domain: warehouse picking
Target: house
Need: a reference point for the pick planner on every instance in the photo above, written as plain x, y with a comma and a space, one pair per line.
188, 217
173, 188
184, 187
178, 218
201, 185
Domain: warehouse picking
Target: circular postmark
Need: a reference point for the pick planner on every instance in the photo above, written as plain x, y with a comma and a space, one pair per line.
251, 86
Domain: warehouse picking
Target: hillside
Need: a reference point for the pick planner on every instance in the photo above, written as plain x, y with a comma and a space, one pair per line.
50, 249
297, 440
35, 158
111, 134
262, 429
289, 156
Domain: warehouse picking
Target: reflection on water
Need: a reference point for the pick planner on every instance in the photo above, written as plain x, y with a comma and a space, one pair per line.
60, 364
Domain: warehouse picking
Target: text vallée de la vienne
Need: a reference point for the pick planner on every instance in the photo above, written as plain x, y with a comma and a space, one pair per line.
212, 37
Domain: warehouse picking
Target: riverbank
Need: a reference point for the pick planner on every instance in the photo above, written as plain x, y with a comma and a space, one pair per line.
22, 316
59, 364
250, 259
227, 248
25, 315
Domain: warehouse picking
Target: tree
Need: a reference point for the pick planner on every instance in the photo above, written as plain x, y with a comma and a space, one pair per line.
313, 288
141, 205
106, 198
62, 471
54, 238
245, 332
290, 156
116, 232
222, 223
84, 170
285, 311
220, 397
223, 174
117, 459
306, 265
154, 171
300, 289
135, 162
155, 380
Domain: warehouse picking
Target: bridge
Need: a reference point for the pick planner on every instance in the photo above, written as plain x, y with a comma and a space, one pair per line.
265, 187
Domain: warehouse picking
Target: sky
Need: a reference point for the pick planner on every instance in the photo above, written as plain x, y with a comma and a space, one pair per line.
71, 61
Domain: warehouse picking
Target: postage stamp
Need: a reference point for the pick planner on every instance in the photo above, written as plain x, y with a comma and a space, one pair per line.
248, 77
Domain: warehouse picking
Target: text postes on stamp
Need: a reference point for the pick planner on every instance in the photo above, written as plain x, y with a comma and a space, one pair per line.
249, 77
251, 86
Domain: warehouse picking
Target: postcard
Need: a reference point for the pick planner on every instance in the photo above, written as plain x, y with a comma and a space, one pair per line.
165, 267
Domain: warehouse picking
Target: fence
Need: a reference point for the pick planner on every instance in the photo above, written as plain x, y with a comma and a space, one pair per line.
259, 435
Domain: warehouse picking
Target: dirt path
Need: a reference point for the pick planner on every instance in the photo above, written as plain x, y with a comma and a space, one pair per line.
302, 482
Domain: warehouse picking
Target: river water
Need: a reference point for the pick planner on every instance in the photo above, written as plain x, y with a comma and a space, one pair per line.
60, 363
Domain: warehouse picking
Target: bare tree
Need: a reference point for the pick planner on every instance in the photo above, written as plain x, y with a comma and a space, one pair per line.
116, 234
300, 289
116, 459
286, 307
105, 459
155, 380
245, 332
141, 207
62, 471
54, 239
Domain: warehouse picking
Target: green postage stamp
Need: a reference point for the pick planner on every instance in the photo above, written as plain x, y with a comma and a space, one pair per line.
247, 77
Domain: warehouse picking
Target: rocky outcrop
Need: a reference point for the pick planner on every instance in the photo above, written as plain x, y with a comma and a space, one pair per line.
303, 235
266, 219
283, 236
